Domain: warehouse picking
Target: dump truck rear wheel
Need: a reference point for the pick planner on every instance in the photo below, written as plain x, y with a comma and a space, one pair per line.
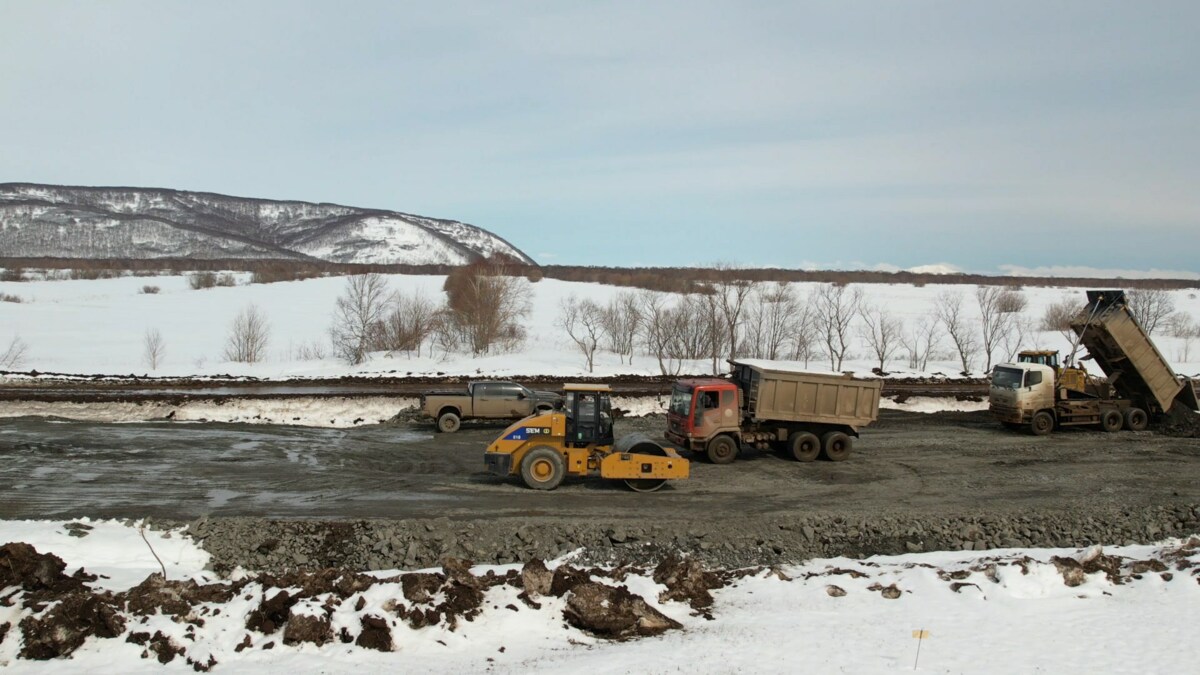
449, 422
722, 450
1043, 423
836, 446
543, 468
1136, 419
804, 446
1111, 421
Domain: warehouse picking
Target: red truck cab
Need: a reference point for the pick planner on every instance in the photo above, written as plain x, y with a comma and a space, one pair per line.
701, 409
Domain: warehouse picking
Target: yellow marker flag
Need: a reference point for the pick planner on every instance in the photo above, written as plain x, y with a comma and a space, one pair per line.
920, 634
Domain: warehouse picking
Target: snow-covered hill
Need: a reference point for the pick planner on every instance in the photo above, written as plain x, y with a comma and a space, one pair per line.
86, 222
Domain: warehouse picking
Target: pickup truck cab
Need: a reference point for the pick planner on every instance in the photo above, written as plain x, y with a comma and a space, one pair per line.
485, 400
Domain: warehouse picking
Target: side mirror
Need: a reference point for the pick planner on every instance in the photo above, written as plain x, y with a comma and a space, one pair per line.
521, 396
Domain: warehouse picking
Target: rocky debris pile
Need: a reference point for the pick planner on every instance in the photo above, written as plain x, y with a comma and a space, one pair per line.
282, 546
59, 612
1180, 421
977, 575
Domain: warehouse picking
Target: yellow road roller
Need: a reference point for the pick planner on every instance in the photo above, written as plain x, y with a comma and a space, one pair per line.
576, 439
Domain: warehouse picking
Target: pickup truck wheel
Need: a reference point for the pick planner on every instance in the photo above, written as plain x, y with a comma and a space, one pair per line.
804, 446
836, 446
543, 468
1111, 421
1136, 419
722, 450
1043, 423
449, 422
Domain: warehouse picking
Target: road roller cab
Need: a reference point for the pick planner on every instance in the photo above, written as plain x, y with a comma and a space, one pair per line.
577, 440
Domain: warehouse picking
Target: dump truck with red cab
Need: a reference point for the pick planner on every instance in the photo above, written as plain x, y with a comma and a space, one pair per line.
771, 405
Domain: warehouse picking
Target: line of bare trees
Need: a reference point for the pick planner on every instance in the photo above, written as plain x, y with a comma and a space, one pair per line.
773, 321
484, 311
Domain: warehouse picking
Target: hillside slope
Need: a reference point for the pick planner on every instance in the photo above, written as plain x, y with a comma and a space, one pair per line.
102, 222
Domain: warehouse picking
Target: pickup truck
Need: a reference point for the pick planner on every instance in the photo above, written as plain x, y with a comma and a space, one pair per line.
485, 400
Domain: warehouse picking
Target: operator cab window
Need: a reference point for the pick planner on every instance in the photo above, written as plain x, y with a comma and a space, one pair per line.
709, 400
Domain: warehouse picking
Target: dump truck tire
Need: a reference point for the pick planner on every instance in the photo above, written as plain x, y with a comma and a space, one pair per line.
543, 468
1136, 419
804, 446
1111, 421
836, 446
448, 422
1043, 423
722, 450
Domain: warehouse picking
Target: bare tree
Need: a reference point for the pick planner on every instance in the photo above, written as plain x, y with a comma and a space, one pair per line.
949, 310
153, 348
1058, 317
834, 308
882, 333
248, 336
13, 356
1185, 329
1015, 339
921, 341
1150, 306
773, 319
621, 320
357, 317
730, 295
582, 320
999, 308
655, 329
313, 350
713, 322
485, 305
407, 323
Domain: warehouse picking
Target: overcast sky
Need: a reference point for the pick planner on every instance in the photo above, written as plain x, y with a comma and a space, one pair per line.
850, 134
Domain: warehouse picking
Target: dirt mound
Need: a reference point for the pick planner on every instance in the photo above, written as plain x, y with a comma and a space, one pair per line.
614, 612
79, 614
1180, 421
687, 581
59, 612
21, 565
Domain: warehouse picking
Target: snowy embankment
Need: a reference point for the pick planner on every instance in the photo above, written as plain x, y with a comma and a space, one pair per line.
1122, 609
339, 412
99, 326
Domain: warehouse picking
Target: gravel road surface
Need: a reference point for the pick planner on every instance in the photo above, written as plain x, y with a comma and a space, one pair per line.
384, 495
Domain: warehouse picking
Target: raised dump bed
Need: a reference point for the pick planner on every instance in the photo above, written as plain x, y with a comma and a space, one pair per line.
1135, 368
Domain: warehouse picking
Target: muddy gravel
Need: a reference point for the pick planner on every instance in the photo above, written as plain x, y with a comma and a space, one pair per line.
281, 499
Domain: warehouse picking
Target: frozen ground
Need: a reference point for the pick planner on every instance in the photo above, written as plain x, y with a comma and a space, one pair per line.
98, 327
338, 412
1128, 609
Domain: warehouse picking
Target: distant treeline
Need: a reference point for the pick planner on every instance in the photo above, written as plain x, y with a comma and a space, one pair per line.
671, 279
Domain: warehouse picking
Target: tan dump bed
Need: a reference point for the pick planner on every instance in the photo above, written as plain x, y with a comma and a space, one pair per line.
1134, 366
777, 393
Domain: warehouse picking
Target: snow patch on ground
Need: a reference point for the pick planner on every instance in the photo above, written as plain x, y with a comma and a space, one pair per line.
1000, 611
336, 412
932, 404
341, 412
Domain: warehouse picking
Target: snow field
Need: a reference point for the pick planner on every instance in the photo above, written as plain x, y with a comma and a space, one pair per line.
97, 326
1002, 611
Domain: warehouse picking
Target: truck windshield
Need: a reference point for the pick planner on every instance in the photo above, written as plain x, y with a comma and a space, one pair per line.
681, 401
1006, 378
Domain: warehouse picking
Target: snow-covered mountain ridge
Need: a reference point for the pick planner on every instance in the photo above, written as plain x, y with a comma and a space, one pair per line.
119, 222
